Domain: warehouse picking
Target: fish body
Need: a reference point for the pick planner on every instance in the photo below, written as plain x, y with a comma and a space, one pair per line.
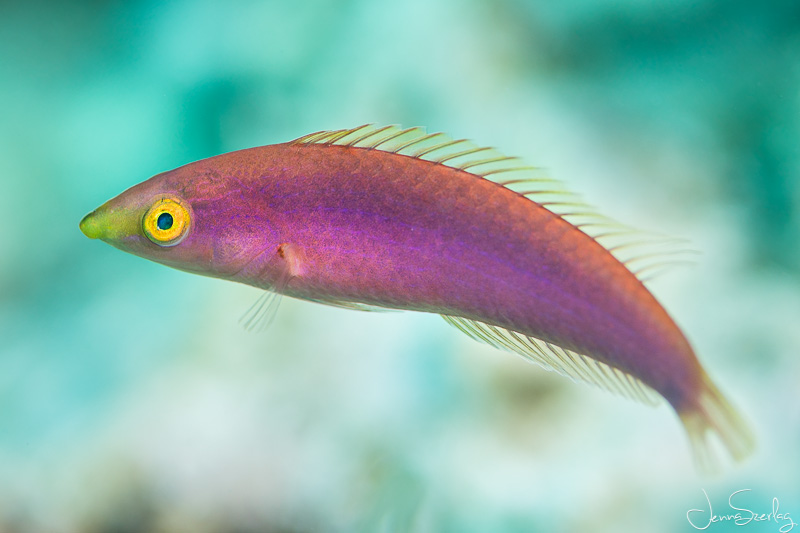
337, 218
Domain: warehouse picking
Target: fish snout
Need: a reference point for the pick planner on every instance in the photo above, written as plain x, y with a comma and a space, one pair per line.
91, 225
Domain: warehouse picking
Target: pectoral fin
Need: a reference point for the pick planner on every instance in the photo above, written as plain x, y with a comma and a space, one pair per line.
289, 260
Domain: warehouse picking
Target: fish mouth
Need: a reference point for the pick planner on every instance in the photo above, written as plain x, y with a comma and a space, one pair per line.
111, 223
91, 226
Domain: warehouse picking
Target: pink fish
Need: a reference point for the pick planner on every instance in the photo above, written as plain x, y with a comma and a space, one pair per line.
385, 217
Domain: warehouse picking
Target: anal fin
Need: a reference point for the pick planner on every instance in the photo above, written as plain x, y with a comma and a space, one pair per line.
576, 366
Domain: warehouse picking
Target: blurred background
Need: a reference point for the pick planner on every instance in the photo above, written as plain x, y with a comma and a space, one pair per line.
132, 400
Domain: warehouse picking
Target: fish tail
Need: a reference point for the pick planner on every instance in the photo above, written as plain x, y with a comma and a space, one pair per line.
711, 413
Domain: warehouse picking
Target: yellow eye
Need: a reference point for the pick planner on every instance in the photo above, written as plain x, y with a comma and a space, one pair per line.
167, 222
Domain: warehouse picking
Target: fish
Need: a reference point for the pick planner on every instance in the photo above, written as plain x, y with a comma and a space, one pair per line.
390, 218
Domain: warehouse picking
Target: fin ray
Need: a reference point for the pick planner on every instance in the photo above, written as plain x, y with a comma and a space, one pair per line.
713, 415
263, 311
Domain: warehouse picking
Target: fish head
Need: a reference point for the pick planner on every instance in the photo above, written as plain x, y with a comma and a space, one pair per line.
193, 218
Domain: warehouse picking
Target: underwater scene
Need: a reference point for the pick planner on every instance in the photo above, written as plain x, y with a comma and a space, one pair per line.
140, 398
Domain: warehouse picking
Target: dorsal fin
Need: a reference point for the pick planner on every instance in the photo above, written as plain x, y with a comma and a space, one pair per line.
644, 254
552, 357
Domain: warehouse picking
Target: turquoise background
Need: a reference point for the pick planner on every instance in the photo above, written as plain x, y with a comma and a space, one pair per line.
132, 400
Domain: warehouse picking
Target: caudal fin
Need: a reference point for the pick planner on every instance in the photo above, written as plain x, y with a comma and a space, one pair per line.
713, 414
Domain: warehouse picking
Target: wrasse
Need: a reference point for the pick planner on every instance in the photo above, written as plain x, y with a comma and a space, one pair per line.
394, 218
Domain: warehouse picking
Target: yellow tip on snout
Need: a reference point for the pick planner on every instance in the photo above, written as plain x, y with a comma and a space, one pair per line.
91, 227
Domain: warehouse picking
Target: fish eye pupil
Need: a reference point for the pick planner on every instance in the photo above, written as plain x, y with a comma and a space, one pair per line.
164, 221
